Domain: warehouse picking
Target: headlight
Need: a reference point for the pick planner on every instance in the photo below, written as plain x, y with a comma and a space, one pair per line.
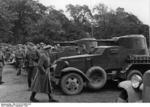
136, 80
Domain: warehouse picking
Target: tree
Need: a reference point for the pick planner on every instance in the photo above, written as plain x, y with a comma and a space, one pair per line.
116, 22
28, 12
6, 19
81, 17
29, 20
102, 17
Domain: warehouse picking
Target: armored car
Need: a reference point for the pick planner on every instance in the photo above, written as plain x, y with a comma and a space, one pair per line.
128, 56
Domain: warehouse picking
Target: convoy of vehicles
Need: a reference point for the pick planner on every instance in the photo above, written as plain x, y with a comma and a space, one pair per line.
126, 57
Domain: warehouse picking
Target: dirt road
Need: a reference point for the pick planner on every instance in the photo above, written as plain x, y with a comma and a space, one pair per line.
14, 89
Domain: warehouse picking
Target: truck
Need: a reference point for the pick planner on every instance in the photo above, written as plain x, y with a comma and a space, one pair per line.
126, 57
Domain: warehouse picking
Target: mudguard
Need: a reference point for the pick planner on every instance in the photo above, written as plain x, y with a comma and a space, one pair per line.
133, 95
72, 69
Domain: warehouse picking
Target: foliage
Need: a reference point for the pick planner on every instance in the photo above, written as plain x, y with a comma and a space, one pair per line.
6, 19
29, 20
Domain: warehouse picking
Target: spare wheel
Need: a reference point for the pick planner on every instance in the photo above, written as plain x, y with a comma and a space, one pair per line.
97, 77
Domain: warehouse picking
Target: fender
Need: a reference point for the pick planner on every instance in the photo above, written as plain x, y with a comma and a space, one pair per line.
133, 95
72, 69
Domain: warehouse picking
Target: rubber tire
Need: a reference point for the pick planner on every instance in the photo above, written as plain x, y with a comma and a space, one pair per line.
96, 86
63, 79
132, 72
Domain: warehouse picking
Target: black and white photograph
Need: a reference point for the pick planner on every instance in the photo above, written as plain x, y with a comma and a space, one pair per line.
74, 51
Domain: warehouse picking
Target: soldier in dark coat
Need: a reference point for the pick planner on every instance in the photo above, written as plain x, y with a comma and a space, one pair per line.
41, 83
19, 56
1, 65
32, 56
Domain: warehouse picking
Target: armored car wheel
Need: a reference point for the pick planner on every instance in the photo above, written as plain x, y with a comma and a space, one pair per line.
133, 73
72, 83
97, 77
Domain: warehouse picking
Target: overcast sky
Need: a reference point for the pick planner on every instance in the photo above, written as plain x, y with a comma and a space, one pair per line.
140, 8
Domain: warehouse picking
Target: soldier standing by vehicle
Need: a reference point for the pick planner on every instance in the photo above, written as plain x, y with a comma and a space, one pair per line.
41, 81
1, 64
32, 56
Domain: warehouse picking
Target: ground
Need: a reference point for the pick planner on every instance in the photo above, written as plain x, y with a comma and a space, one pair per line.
14, 89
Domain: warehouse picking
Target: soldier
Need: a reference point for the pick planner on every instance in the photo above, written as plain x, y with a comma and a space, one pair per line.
42, 45
38, 46
1, 64
7, 53
19, 60
32, 56
41, 81
13, 60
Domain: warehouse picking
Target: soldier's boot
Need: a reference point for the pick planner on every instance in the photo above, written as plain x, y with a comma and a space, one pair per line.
32, 97
51, 99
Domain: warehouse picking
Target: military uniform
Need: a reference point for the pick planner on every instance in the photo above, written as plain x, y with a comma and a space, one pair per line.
32, 57
1, 65
41, 83
7, 54
19, 56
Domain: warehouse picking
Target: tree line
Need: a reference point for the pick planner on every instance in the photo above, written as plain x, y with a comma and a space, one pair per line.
29, 20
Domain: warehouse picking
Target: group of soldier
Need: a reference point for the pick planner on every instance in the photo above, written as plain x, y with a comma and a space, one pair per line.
35, 61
